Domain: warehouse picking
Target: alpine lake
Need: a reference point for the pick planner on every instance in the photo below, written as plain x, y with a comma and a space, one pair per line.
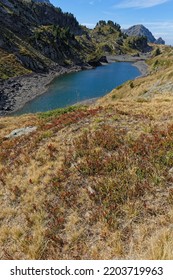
76, 87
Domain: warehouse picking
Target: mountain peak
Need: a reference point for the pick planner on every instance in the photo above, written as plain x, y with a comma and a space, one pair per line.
141, 30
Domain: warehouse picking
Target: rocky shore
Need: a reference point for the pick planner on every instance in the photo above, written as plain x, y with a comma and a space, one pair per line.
137, 60
15, 92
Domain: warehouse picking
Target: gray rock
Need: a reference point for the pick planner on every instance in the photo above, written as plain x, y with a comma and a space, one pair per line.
21, 131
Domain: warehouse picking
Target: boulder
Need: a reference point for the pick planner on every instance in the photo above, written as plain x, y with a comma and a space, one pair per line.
21, 131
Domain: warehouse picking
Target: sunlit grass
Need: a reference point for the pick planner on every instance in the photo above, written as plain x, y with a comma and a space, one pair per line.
91, 182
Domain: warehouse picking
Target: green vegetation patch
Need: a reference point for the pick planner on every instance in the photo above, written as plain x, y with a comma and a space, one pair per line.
61, 111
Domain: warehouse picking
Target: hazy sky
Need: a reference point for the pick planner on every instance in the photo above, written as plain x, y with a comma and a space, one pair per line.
156, 15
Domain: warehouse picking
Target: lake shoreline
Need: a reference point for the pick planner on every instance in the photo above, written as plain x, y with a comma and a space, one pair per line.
138, 61
16, 92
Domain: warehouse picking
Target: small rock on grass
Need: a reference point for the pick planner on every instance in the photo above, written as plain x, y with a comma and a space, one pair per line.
21, 131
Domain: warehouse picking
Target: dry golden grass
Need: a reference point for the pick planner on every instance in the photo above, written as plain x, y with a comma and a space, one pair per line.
92, 183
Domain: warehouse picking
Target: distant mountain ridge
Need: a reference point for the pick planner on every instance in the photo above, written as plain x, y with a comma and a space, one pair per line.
141, 30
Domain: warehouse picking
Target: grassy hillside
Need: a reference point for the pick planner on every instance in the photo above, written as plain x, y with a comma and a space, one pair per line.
10, 67
93, 182
158, 85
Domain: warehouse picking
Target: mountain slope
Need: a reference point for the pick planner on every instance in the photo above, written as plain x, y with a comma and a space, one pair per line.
41, 37
93, 182
140, 30
38, 41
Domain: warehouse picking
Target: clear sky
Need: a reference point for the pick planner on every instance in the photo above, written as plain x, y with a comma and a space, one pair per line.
156, 15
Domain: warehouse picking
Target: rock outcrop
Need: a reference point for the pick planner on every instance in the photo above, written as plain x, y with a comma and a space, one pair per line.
21, 131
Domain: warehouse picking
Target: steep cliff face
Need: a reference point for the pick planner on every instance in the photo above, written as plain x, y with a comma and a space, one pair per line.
39, 35
140, 30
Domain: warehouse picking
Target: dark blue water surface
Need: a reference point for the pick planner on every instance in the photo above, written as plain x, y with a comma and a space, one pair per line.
71, 88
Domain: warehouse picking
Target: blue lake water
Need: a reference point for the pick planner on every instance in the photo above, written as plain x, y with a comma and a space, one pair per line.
75, 87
